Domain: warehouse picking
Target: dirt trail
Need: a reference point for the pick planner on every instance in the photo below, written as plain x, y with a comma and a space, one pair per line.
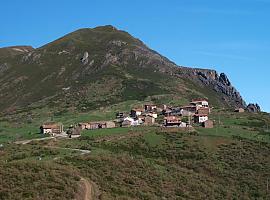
37, 139
88, 190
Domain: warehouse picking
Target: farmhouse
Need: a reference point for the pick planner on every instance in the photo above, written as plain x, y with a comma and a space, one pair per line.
200, 118
172, 121
52, 128
128, 121
97, 125
200, 103
188, 110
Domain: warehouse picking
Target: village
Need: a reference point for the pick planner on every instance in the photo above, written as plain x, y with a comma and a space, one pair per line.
183, 117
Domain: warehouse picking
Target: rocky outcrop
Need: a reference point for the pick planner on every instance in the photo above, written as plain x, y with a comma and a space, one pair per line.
224, 79
84, 59
254, 108
219, 83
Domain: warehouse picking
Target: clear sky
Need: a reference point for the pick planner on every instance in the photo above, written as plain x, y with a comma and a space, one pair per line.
231, 36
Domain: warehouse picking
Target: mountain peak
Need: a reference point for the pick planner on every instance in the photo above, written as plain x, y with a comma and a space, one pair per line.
106, 28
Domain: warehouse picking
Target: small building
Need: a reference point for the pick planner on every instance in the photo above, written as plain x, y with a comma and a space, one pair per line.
208, 124
149, 120
200, 118
97, 125
183, 125
172, 121
239, 110
74, 132
128, 121
150, 107
136, 112
199, 103
188, 110
203, 110
52, 128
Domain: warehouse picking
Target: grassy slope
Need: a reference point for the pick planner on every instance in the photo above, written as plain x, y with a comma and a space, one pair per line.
230, 161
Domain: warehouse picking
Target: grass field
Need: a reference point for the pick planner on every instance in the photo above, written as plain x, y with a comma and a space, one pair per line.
230, 161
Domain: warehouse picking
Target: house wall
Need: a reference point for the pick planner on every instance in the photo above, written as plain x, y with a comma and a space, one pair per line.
149, 120
204, 111
110, 124
203, 119
47, 131
200, 119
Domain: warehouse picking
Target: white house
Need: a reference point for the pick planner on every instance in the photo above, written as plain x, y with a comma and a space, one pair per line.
200, 103
200, 118
128, 121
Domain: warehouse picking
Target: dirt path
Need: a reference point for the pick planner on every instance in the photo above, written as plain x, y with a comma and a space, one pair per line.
88, 190
83, 151
37, 139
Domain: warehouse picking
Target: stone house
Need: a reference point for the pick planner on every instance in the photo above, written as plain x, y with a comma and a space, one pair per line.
97, 125
52, 128
128, 121
200, 103
188, 110
172, 121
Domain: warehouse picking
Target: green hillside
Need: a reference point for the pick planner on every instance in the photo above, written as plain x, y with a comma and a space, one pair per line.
230, 161
90, 68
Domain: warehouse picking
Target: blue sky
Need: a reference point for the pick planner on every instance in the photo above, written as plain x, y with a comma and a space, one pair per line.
231, 36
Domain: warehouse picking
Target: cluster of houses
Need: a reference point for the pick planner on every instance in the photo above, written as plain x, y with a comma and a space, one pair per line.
183, 116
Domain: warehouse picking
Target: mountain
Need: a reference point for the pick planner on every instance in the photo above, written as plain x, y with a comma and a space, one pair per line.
90, 68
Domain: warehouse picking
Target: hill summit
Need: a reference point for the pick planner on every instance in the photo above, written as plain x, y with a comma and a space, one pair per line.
93, 67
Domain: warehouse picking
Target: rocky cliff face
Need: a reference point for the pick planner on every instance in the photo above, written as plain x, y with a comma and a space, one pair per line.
219, 83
